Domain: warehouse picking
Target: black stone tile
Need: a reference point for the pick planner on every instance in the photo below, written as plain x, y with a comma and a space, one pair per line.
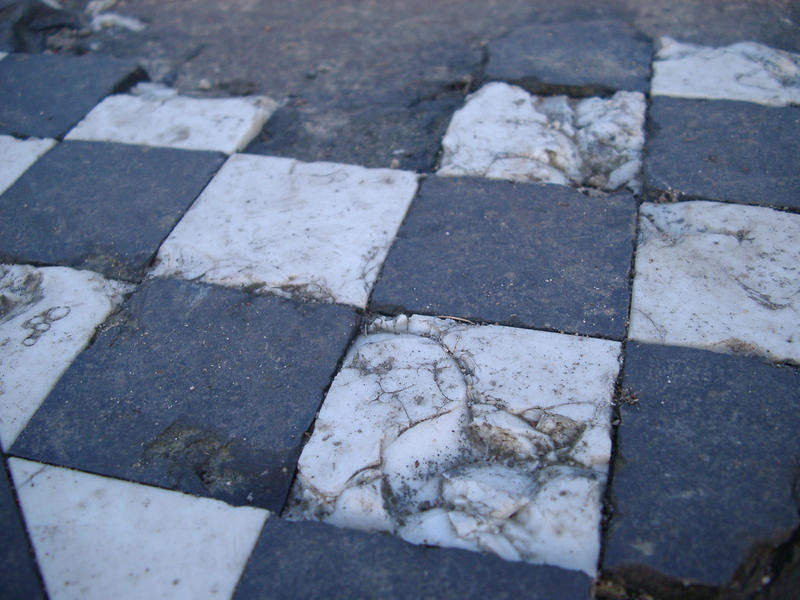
104, 207
19, 579
406, 126
45, 96
198, 388
578, 58
708, 462
314, 560
530, 255
723, 150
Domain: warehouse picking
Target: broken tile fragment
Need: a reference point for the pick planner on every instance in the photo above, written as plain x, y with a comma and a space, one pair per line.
100, 206
718, 276
98, 537
313, 231
483, 438
503, 132
47, 316
745, 71
17, 155
578, 58
45, 95
196, 388
723, 150
707, 465
501, 252
314, 560
154, 115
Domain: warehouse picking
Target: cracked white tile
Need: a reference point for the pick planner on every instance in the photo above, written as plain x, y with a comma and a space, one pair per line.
503, 132
718, 276
157, 116
315, 231
47, 316
96, 537
745, 71
17, 155
487, 438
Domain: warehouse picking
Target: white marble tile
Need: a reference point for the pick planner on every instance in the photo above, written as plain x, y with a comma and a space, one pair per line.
505, 133
718, 276
487, 438
315, 231
17, 155
96, 537
47, 316
745, 71
156, 116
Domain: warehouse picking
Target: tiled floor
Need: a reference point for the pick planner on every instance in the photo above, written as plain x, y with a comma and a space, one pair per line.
205, 352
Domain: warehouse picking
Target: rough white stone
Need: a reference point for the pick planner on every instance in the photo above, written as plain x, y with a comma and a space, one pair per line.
110, 19
316, 231
464, 436
718, 276
505, 133
157, 116
47, 316
745, 71
96, 537
17, 155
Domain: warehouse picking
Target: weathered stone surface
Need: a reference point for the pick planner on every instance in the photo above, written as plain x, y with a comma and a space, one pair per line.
20, 578
98, 206
723, 150
707, 462
579, 58
47, 316
45, 95
377, 128
98, 537
718, 276
430, 439
17, 155
314, 231
196, 388
314, 560
156, 116
504, 133
438, 432
529, 255
745, 71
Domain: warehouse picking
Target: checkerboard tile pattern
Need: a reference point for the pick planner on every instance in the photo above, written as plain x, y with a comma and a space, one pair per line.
213, 321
